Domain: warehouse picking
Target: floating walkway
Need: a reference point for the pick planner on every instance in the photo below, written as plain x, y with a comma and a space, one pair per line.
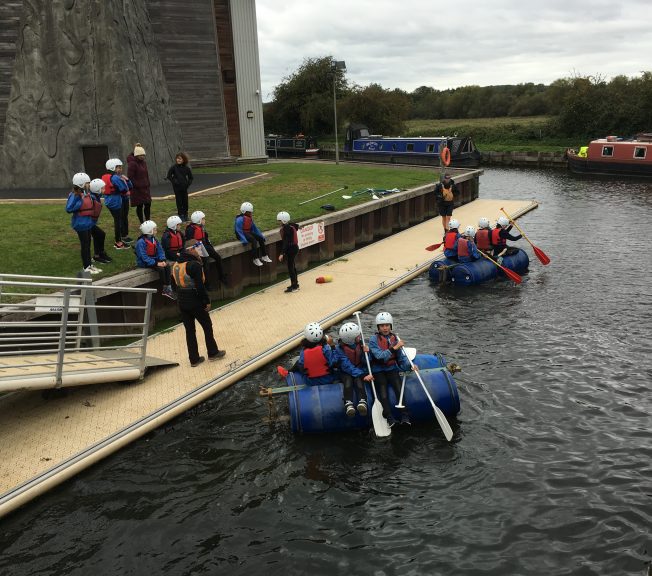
47, 441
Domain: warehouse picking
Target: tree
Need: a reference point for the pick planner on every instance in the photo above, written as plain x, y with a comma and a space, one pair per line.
383, 111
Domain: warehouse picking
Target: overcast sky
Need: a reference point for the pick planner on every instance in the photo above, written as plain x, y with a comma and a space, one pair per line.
411, 43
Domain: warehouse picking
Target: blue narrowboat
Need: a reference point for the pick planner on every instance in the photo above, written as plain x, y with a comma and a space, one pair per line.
424, 150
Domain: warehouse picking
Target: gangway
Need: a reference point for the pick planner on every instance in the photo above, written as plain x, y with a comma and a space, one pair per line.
50, 336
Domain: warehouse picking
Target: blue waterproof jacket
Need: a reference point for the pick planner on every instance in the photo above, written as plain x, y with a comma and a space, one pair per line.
73, 205
114, 201
331, 360
144, 260
381, 356
239, 232
348, 367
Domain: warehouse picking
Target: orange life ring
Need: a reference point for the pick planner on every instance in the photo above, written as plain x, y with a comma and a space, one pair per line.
445, 156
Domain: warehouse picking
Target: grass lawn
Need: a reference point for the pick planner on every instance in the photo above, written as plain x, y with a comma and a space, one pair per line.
41, 242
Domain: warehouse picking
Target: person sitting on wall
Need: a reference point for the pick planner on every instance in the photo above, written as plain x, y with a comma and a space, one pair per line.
196, 230
172, 239
445, 194
149, 254
466, 248
248, 233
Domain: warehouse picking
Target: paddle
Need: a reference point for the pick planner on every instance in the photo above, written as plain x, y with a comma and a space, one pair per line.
541, 255
509, 273
381, 427
356, 193
323, 195
433, 247
400, 400
443, 423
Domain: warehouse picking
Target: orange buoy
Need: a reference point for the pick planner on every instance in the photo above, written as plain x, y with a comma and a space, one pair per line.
445, 156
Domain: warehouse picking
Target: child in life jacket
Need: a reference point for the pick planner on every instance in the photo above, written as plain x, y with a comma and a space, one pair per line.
466, 248
248, 233
483, 236
499, 236
196, 230
316, 359
353, 368
450, 239
116, 199
172, 239
289, 248
149, 254
85, 207
387, 360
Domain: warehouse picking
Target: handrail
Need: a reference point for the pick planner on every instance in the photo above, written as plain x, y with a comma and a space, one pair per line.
68, 286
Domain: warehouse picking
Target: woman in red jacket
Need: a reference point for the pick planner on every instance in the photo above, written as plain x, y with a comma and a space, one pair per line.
141, 197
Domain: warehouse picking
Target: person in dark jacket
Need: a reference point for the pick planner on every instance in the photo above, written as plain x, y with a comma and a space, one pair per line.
194, 302
196, 230
289, 248
141, 196
180, 175
499, 236
172, 239
445, 194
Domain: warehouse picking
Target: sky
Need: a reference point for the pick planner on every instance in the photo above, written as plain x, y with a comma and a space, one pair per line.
410, 43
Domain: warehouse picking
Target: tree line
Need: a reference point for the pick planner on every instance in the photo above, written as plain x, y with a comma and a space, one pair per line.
578, 106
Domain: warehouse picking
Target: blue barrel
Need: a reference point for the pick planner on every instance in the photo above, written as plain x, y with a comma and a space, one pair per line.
321, 408
471, 273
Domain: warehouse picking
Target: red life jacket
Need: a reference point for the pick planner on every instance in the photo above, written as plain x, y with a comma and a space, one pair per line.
353, 353
176, 240
247, 221
383, 344
483, 239
449, 239
109, 188
496, 240
150, 246
196, 231
462, 247
90, 207
295, 236
315, 362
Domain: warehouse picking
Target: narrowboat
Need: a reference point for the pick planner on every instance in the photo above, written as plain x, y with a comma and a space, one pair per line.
471, 273
319, 409
291, 146
614, 156
359, 145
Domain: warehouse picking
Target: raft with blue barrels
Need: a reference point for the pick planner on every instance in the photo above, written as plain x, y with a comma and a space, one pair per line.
476, 272
315, 409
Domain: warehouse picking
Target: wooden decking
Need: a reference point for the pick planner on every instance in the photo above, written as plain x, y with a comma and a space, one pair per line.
48, 441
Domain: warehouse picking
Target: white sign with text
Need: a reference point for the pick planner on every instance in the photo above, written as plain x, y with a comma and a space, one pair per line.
311, 234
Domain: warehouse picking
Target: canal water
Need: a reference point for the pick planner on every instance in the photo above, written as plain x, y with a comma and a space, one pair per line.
549, 472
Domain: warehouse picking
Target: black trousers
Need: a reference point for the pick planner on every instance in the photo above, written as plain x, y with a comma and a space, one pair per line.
117, 223
218, 263
124, 218
144, 211
383, 381
85, 236
290, 258
181, 197
349, 381
257, 245
188, 317
164, 274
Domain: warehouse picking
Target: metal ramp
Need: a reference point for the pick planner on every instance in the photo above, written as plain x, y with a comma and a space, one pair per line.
54, 340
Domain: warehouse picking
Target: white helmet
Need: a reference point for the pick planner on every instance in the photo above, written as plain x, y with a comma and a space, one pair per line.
503, 221
469, 231
384, 318
173, 222
110, 164
148, 227
80, 179
313, 332
96, 185
196, 216
452, 223
483, 223
246, 207
349, 332
284, 217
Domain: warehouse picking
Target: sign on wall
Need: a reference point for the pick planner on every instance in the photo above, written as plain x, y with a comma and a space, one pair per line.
311, 234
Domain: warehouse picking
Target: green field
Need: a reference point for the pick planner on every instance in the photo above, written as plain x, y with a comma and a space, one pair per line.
43, 243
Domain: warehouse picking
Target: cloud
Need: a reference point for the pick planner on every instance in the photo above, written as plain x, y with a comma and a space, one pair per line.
411, 43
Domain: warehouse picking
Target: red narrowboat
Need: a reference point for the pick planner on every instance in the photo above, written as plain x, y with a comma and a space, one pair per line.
614, 156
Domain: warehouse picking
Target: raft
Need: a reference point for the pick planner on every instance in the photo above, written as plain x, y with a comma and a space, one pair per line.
316, 409
470, 273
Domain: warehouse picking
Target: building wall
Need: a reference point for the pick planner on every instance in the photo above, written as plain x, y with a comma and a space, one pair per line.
10, 11
247, 69
186, 38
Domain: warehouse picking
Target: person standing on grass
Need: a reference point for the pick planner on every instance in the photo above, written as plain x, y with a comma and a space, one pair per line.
180, 175
445, 194
194, 302
116, 195
85, 209
141, 196
289, 248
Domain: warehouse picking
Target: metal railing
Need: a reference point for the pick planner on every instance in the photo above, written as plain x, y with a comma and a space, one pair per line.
45, 315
